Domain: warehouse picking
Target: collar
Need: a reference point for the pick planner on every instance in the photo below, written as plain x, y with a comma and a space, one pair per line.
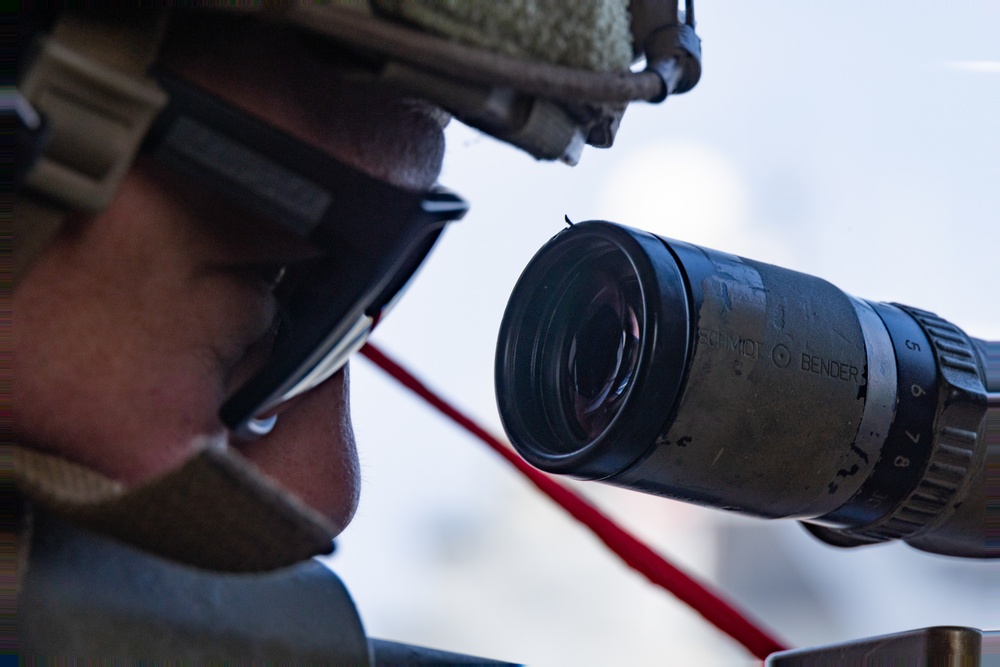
216, 512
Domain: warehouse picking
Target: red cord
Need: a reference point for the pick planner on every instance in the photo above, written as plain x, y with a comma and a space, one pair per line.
635, 553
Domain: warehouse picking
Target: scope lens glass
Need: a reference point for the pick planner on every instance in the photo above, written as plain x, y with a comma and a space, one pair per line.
598, 331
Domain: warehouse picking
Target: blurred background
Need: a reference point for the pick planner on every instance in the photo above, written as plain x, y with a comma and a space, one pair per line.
859, 142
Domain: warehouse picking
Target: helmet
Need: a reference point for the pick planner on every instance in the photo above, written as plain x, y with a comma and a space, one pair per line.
540, 74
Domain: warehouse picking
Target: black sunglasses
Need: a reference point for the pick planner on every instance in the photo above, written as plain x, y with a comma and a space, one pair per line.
373, 236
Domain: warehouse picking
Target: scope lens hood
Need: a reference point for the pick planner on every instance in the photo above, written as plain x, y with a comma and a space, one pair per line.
592, 350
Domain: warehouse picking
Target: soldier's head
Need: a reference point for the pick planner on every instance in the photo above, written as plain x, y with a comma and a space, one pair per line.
223, 203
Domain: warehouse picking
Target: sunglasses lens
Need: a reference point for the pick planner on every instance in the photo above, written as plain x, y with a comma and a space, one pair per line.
303, 292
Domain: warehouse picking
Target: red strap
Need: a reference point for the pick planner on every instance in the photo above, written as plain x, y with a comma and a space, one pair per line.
635, 553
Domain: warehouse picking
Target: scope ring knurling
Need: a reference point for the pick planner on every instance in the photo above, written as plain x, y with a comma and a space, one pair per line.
955, 434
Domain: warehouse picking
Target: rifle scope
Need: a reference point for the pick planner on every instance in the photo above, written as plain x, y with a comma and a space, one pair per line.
684, 372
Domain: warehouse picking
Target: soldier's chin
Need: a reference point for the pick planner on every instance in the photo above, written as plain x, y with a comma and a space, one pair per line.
311, 450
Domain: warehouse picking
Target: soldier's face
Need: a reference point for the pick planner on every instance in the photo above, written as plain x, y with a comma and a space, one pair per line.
136, 324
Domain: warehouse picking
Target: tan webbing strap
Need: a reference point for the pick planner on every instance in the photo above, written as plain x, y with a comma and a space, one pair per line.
215, 512
89, 81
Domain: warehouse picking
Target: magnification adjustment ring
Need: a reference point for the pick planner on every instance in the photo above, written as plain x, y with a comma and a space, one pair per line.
953, 449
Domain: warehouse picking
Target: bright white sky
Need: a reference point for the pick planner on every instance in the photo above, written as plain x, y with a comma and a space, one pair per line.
855, 141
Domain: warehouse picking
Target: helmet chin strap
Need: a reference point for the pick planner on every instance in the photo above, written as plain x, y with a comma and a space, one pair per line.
216, 511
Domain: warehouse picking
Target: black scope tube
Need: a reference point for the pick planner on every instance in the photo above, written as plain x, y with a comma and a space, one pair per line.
684, 372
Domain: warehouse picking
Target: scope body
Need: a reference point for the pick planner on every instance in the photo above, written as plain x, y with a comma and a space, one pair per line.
689, 373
